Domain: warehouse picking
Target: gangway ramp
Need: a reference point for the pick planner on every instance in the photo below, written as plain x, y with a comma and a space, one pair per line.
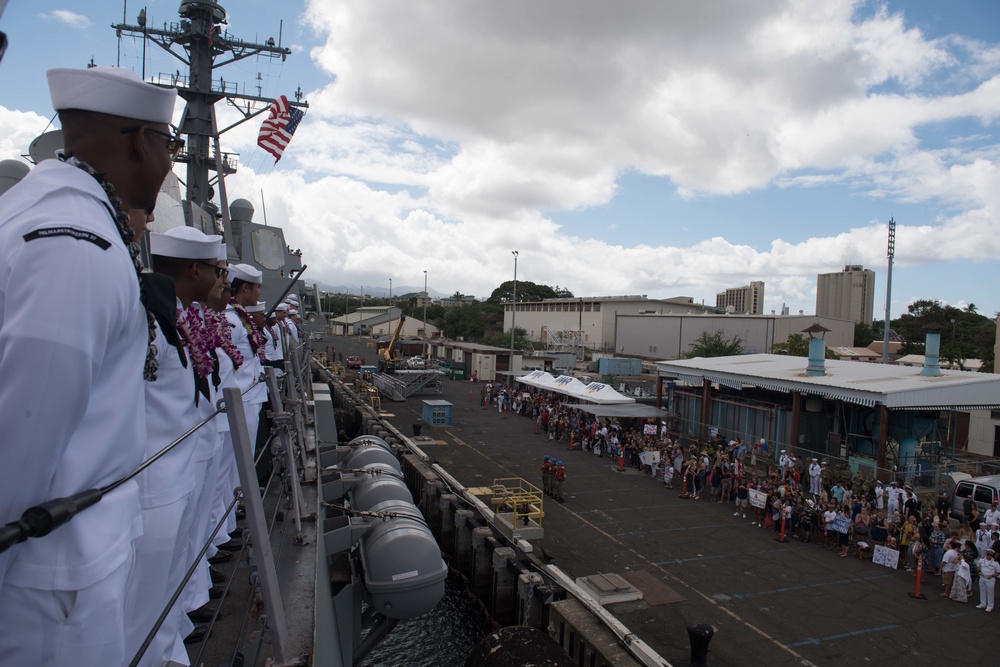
402, 384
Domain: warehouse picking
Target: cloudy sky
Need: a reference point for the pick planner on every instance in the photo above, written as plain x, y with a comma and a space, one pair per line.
660, 148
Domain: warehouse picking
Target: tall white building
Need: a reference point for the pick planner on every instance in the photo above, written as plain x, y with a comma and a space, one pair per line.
747, 299
847, 294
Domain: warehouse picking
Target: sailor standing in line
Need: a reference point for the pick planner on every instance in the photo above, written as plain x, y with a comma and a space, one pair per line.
180, 397
208, 456
74, 345
246, 282
988, 571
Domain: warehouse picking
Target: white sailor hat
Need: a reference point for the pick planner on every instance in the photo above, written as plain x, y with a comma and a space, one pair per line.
258, 307
223, 253
282, 306
293, 311
246, 273
185, 243
815, 459
782, 451
293, 297
111, 90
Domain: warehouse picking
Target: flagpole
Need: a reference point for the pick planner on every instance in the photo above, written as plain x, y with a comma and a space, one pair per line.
262, 206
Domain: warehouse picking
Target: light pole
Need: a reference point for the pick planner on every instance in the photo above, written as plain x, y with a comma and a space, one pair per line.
390, 291
513, 313
425, 316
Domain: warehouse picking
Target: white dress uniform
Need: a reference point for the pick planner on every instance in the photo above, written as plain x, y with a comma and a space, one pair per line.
815, 482
167, 488
989, 568
274, 350
73, 339
253, 390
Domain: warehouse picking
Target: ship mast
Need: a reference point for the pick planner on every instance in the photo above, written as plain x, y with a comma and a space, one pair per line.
200, 39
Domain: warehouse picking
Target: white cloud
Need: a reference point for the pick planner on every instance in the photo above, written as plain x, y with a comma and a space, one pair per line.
67, 17
452, 131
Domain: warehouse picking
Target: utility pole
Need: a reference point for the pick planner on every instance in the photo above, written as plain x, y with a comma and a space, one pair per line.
425, 316
513, 314
888, 290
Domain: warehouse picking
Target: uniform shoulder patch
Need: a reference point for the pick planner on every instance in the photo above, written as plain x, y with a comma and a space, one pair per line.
73, 232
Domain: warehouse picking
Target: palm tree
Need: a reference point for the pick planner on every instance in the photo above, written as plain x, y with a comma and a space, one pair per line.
971, 308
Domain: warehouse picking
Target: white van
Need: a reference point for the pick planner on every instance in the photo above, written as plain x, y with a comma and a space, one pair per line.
982, 490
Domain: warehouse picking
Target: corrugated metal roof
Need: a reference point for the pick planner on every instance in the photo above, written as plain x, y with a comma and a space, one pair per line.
899, 387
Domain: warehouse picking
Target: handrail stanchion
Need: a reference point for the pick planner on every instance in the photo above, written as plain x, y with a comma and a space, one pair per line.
261, 553
281, 418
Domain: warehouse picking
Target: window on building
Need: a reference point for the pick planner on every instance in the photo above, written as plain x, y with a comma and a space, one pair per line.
545, 307
597, 307
587, 307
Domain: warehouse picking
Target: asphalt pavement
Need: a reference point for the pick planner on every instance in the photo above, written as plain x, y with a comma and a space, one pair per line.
771, 603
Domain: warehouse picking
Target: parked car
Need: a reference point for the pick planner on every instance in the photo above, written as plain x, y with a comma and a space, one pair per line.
355, 361
982, 490
415, 363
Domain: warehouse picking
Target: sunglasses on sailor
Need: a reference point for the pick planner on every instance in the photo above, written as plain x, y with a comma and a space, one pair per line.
175, 144
219, 271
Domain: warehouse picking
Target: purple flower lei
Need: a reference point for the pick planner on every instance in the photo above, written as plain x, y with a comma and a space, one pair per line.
257, 343
219, 325
197, 338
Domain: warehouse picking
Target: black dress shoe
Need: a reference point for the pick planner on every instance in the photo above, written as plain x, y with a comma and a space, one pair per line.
240, 515
220, 557
215, 592
232, 545
203, 614
199, 633
217, 575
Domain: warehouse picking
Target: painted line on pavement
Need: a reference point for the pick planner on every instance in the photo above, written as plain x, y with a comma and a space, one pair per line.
679, 561
800, 587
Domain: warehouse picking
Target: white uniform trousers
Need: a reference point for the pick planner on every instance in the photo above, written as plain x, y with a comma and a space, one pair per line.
200, 510
150, 587
986, 590
65, 628
222, 494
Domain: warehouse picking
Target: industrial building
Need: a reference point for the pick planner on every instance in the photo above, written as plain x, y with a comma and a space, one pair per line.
671, 336
748, 299
588, 322
897, 419
847, 294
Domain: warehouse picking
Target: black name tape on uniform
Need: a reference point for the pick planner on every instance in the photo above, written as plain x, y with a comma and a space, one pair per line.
79, 234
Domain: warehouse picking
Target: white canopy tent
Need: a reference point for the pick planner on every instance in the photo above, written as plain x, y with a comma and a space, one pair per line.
595, 392
602, 394
539, 379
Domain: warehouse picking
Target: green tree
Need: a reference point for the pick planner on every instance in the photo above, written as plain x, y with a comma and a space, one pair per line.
715, 345
797, 345
502, 339
527, 291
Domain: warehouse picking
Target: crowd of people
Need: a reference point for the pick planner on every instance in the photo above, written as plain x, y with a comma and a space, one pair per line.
809, 500
105, 363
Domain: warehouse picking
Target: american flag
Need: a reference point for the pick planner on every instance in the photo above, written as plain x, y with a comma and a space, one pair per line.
277, 130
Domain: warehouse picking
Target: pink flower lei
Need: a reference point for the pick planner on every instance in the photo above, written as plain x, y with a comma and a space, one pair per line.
257, 343
198, 340
218, 325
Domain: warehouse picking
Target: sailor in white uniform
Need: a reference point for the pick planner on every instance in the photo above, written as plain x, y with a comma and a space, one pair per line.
208, 459
276, 339
178, 400
815, 483
783, 463
245, 282
73, 350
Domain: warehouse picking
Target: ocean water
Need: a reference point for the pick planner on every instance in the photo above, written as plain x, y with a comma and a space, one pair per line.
442, 637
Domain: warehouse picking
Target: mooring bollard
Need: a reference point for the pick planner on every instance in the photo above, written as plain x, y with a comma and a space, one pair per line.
700, 635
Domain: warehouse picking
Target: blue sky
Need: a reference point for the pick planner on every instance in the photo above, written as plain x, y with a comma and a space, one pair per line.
623, 148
